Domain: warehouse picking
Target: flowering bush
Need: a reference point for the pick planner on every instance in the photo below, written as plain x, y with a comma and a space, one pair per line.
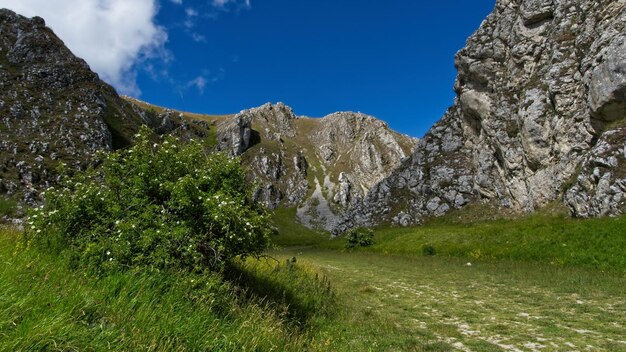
161, 205
359, 237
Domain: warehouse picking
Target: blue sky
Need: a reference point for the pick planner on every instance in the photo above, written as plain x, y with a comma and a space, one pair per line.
391, 59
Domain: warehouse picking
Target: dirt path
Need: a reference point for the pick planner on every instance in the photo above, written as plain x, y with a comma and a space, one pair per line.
479, 306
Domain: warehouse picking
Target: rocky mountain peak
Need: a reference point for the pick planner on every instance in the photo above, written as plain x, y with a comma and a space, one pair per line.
29, 41
351, 125
539, 116
540, 100
274, 119
321, 166
54, 109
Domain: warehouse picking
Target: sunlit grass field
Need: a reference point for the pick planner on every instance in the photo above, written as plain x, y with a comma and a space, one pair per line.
47, 306
433, 303
548, 237
538, 282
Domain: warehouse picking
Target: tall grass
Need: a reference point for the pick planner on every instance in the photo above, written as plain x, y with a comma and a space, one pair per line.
45, 305
292, 233
287, 287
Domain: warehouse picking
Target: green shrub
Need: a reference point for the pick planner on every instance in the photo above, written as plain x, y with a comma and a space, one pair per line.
428, 250
159, 205
8, 206
359, 237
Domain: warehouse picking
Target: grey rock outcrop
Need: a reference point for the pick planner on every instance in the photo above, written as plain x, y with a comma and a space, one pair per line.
167, 121
600, 187
540, 116
607, 81
320, 166
275, 120
53, 108
234, 134
540, 85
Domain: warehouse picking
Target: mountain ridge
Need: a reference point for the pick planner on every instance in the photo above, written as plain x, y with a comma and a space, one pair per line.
321, 166
56, 110
539, 116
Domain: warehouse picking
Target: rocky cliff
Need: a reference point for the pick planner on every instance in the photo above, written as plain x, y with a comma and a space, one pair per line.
321, 166
54, 109
539, 116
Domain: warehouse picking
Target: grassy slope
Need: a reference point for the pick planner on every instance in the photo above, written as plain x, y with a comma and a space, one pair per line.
8, 206
44, 305
548, 236
541, 281
187, 115
418, 303
211, 138
292, 233
380, 300
597, 243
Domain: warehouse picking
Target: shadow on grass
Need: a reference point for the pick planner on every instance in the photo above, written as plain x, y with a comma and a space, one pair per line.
297, 293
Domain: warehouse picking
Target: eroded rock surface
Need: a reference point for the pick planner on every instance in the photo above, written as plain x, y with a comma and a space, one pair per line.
540, 92
54, 109
320, 166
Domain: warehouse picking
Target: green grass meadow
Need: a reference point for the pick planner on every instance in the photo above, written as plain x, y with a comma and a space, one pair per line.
47, 306
546, 237
540, 282
593, 243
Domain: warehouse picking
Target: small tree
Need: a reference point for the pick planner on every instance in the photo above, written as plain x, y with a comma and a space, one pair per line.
159, 205
359, 237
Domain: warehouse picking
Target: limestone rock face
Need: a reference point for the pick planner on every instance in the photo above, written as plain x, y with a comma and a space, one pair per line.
320, 166
540, 91
52, 108
600, 187
607, 82
234, 134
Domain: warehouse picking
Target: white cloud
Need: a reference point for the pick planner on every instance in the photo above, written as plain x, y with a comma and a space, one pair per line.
198, 38
203, 80
191, 15
222, 4
199, 83
191, 12
111, 35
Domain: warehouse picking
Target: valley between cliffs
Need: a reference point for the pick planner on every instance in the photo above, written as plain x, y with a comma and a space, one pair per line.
539, 117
